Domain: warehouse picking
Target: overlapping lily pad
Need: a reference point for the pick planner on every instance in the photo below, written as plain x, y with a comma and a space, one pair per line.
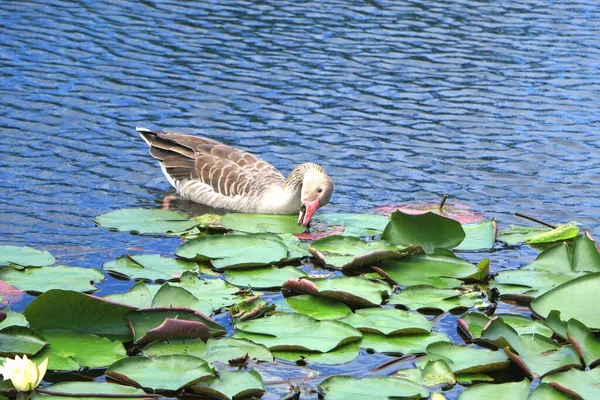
263, 277
576, 383
356, 224
388, 321
510, 390
401, 344
422, 297
478, 236
463, 360
87, 390
235, 251
230, 385
140, 220
19, 340
561, 232
175, 296
340, 355
376, 388
317, 307
42, 279
25, 256
432, 373
152, 267
473, 323
261, 223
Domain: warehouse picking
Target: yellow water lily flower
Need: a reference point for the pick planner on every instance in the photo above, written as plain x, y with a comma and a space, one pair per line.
24, 374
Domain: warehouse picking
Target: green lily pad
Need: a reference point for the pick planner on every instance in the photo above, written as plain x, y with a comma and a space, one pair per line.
139, 220
586, 256
516, 234
467, 379
25, 256
429, 231
584, 342
77, 312
478, 236
70, 351
261, 223
441, 271
433, 373
572, 299
173, 296
190, 347
527, 284
493, 391
574, 382
535, 354
341, 355
473, 323
346, 387
388, 321
356, 224
225, 349
320, 308
19, 340
291, 332
235, 251
214, 291
87, 390
561, 232
350, 253
230, 385
42, 279
170, 373
263, 277
296, 248
13, 319
352, 291
152, 267
428, 297
401, 344
546, 392
463, 360
165, 323
139, 295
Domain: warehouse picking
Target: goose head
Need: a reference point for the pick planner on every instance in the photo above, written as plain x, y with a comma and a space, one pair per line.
317, 188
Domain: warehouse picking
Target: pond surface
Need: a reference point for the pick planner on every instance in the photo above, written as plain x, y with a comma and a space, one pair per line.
495, 103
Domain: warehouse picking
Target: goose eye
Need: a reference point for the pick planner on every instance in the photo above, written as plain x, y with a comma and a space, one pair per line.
319, 190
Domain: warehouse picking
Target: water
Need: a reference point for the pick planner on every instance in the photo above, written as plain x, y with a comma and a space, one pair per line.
495, 103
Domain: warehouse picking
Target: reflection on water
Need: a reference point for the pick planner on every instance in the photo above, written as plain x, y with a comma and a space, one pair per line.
495, 103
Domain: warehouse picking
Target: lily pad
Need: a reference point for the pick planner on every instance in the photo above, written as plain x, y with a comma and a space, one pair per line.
225, 349
346, 387
441, 271
527, 284
546, 392
350, 253
352, 291
572, 300
235, 251
25, 256
173, 296
260, 223
230, 385
291, 332
19, 340
429, 231
401, 344
341, 355
510, 390
170, 373
433, 373
320, 308
356, 224
516, 234
263, 277
535, 354
70, 351
574, 382
77, 312
473, 323
561, 232
214, 291
139, 220
584, 342
586, 256
190, 347
13, 319
152, 267
422, 297
463, 359
42, 279
139, 295
478, 236
87, 390
388, 321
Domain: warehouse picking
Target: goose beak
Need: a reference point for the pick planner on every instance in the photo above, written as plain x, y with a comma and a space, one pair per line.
307, 210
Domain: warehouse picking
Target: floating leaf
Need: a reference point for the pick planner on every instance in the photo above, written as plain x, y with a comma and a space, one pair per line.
478, 236
190, 347
341, 355
433, 373
527, 284
139, 220
318, 307
584, 342
151, 267
352, 291
401, 344
356, 224
535, 354
235, 251
572, 299
451, 209
350, 253
473, 323
516, 234
13, 319
346, 387
546, 392
263, 277
225, 349
291, 332
76, 312
428, 297
173, 296
586, 256
229, 385
214, 291
465, 359
261, 223
510, 390
171, 373
87, 390
429, 231
139, 295
19, 340
296, 249
574, 382
441, 271
25, 256
388, 321
561, 232
42, 279
70, 351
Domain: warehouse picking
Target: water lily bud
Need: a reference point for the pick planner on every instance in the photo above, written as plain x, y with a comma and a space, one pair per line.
24, 374
438, 396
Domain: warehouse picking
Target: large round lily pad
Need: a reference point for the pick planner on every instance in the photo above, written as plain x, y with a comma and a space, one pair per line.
375, 388
25, 256
42, 279
19, 340
139, 220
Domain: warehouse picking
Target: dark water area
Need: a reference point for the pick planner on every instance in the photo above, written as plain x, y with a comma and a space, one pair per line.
495, 103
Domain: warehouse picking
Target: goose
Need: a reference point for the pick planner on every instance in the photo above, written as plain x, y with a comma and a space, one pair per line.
214, 174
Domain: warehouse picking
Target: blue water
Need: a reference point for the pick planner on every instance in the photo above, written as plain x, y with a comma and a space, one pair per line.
495, 103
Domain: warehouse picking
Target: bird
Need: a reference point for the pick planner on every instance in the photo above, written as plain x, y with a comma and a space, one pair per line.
209, 172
